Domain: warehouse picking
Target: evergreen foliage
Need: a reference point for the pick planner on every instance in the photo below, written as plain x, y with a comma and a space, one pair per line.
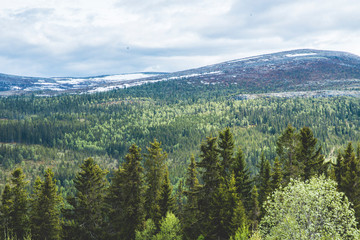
45, 209
191, 226
166, 201
243, 181
154, 165
286, 149
126, 197
19, 216
85, 218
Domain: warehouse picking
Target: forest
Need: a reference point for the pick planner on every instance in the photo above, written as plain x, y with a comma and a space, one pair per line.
299, 196
165, 161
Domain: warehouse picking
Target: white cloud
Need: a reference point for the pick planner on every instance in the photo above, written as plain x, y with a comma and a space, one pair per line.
88, 37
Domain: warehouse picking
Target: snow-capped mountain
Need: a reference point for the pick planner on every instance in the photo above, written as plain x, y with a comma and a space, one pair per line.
304, 69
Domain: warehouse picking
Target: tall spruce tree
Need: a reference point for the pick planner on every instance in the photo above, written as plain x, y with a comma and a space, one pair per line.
265, 187
255, 209
5, 213
276, 175
126, 197
242, 178
166, 200
85, 219
211, 175
226, 150
19, 217
286, 146
350, 178
191, 226
45, 209
154, 174
309, 154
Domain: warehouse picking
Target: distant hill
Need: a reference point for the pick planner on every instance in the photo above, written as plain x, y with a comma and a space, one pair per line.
297, 70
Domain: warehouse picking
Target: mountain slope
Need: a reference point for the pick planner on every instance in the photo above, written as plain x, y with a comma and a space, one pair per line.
304, 69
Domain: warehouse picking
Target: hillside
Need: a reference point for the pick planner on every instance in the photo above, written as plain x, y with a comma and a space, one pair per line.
297, 70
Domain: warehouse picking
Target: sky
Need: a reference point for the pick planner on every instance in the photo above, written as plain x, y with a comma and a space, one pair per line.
97, 37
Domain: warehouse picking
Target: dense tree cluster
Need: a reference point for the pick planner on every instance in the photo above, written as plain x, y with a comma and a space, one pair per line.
218, 199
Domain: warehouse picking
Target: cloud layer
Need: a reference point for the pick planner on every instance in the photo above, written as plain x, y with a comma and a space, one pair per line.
82, 38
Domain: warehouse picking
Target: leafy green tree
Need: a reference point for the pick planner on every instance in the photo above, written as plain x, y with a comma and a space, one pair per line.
309, 210
148, 232
286, 149
85, 218
226, 150
170, 228
45, 209
155, 169
19, 218
308, 154
191, 226
5, 212
166, 201
126, 197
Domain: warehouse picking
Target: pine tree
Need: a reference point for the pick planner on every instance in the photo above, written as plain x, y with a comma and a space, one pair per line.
45, 212
309, 155
286, 149
237, 217
277, 175
5, 212
339, 169
180, 199
126, 197
154, 174
166, 201
255, 209
350, 178
226, 150
211, 176
86, 217
243, 179
19, 218
265, 188
191, 227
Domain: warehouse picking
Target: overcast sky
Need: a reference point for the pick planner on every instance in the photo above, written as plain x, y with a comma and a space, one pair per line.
95, 37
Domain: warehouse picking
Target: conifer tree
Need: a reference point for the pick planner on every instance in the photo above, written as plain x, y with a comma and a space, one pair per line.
19, 218
211, 176
154, 174
255, 209
166, 201
126, 197
350, 178
226, 150
339, 169
265, 185
243, 179
276, 175
180, 200
191, 227
308, 154
286, 149
45, 211
86, 217
5, 212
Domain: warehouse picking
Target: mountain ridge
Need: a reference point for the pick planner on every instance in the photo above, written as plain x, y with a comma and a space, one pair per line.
301, 69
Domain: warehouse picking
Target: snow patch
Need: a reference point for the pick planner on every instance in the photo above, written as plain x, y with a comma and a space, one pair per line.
300, 54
